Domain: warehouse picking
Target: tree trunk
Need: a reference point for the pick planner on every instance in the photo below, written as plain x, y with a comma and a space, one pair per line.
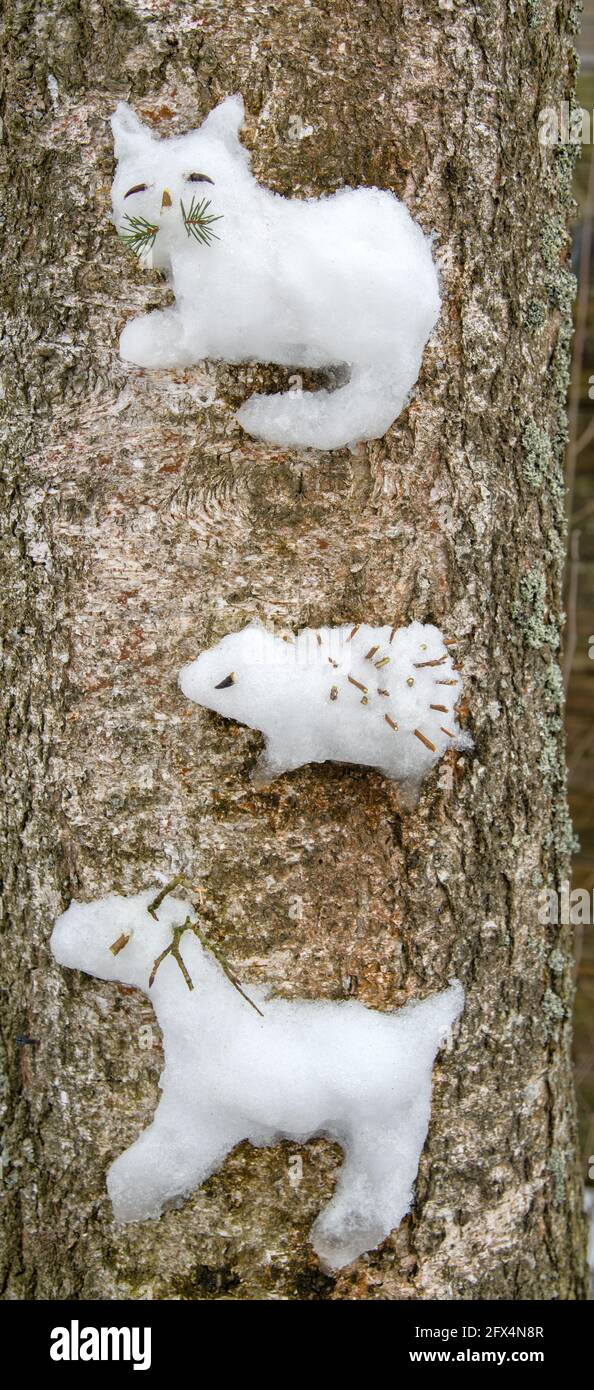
142, 525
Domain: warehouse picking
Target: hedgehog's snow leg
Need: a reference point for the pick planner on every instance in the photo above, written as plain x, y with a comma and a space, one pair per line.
363, 409
164, 1164
374, 1189
272, 763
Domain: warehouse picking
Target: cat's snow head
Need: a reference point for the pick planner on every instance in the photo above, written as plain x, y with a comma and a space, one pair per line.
168, 193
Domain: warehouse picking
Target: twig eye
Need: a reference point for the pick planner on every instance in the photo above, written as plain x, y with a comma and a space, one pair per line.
199, 178
138, 188
117, 946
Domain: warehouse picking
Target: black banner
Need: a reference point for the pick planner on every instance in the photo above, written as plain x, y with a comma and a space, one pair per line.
147, 1339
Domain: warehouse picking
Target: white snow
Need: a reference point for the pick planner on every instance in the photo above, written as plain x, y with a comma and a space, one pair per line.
346, 280
336, 694
53, 89
302, 1069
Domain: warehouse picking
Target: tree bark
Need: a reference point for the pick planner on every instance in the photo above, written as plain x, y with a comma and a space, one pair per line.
142, 524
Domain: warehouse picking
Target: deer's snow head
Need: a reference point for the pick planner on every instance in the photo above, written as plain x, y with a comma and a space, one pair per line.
116, 938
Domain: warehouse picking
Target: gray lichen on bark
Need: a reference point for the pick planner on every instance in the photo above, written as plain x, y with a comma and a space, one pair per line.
142, 524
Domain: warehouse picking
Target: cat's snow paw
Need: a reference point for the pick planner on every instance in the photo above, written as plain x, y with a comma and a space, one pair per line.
153, 340
259, 417
298, 420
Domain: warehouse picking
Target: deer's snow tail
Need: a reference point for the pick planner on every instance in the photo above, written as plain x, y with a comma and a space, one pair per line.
362, 409
436, 1015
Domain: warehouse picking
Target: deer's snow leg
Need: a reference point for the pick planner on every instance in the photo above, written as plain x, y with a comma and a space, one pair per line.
374, 1189
164, 1164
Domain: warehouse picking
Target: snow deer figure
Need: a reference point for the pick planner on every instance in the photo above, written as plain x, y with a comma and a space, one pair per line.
263, 1069
345, 281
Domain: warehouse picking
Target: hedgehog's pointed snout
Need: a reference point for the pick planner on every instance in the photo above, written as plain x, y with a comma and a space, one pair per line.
229, 680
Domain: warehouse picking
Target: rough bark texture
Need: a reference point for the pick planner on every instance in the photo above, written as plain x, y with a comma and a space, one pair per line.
143, 524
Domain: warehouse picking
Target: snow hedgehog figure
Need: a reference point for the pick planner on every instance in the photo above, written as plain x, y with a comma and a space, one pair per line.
384, 697
341, 281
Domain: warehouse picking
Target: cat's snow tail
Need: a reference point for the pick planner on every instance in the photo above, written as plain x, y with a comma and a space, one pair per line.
362, 409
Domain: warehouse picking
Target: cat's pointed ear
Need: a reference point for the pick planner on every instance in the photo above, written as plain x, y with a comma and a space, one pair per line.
129, 134
225, 123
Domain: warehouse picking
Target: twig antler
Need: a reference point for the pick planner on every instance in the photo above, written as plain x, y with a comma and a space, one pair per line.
174, 948
169, 887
